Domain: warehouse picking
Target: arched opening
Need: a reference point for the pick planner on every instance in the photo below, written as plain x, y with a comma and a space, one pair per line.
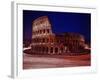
44, 31
47, 30
51, 50
43, 40
46, 49
43, 49
56, 50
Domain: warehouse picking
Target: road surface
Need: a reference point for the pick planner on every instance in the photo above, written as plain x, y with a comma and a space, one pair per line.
47, 61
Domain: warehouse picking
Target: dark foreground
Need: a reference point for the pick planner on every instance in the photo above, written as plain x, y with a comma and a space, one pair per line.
55, 61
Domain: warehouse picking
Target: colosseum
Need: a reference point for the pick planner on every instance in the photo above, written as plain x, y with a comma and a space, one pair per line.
45, 41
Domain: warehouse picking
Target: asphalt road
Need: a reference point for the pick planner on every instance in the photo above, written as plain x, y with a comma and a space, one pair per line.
47, 61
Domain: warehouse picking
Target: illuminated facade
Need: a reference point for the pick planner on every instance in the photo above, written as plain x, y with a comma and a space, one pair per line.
44, 41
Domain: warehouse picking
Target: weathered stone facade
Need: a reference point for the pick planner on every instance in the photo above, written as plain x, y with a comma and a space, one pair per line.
44, 41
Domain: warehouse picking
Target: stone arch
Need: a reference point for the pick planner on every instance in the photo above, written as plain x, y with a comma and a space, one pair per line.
56, 50
51, 50
47, 50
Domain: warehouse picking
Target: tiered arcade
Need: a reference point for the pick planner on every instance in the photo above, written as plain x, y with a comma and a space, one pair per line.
44, 41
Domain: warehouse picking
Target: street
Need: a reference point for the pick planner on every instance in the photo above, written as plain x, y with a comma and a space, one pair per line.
54, 61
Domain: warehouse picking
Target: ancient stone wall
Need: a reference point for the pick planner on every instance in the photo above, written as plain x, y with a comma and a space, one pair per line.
44, 41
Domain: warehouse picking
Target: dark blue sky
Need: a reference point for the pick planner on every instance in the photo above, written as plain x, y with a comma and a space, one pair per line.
61, 22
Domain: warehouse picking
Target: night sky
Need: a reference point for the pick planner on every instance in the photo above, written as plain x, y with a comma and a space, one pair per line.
61, 22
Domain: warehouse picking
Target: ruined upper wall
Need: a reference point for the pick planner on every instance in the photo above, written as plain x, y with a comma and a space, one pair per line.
41, 23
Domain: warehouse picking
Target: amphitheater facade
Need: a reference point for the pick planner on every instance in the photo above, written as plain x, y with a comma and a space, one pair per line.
44, 41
